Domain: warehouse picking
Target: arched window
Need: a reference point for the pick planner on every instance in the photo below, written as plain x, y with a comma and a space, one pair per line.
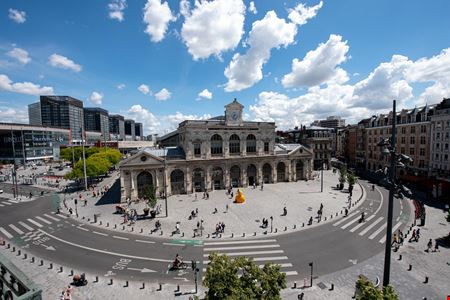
235, 144
251, 143
216, 145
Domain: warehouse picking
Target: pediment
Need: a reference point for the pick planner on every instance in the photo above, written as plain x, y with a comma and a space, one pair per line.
142, 158
301, 151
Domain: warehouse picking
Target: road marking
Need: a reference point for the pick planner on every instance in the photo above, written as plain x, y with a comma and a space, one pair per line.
361, 224
34, 222
14, 227
371, 226
345, 218
6, 233
61, 216
120, 237
286, 265
238, 242
107, 252
241, 247
383, 239
85, 229
1, 205
260, 259
290, 273
43, 220
378, 231
99, 233
7, 203
26, 226
52, 218
248, 253
170, 244
148, 242
351, 222
144, 270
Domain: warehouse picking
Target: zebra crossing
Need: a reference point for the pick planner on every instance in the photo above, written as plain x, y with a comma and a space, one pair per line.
261, 252
25, 227
6, 202
374, 228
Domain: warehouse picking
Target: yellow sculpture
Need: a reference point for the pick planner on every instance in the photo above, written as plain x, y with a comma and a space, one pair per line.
240, 198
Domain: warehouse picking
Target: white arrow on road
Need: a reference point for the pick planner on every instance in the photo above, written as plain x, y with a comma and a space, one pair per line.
353, 261
48, 247
144, 270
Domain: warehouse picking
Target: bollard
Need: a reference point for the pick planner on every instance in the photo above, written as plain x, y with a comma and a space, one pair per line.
89, 219
232, 234
111, 281
303, 224
100, 223
115, 226
32, 259
332, 287
60, 269
336, 214
161, 232
400, 257
295, 285
254, 233
71, 273
295, 226
331, 216
82, 218
243, 235
285, 228
410, 267
325, 218
142, 230
8, 246
160, 287
182, 234
178, 288
132, 229
51, 266
96, 279
276, 229
14, 249
126, 283
426, 279
19, 252
25, 256
123, 227
42, 263
341, 212
143, 286
107, 224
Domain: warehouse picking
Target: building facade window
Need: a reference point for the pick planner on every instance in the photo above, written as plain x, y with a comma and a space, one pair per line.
423, 129
403, 130
422, 151
251, 143
411, 151
235, 144
412, 140
403, 139
413, 129
197, 149
216, 145
422, 140
266, 147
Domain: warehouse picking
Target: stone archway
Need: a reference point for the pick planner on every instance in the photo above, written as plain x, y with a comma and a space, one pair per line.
281, 172
235, 176
144, 179
299, 170
198, 180
177, 182
251, 175
217, 178
267, 173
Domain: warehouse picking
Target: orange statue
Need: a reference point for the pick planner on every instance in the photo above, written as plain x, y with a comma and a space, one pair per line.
240, 198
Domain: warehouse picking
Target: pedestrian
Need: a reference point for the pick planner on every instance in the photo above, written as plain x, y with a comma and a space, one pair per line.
196, 211
215, 210
254, 185
321, 206
436, 246
226, 208
413, 236
85, 202
262, 185
70, 211
195, 196
207, 195
417, 234
177, 227
231, 194
429, 245
373, 187
198, 224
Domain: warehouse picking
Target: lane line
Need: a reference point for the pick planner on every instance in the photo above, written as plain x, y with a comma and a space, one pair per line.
99, 233
346, 218
241, 247
85, 229
274, 258
286, 265
107, 252
148, 242
52, 218
43, 220
26, 226
14, 227
34, 222
378, 231
248, 253
170, 244
238, 242
6, 233
383, 239
371, 226
120, 237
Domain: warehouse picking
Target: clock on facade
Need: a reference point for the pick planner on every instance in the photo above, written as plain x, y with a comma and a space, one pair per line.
234, 115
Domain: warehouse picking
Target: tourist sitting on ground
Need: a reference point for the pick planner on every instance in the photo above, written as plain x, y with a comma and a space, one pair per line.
178, 261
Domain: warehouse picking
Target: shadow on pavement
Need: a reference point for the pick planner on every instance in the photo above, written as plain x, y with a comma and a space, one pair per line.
112, 196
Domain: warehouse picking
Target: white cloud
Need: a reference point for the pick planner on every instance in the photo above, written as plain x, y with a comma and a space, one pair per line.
144, 89
319, 65
170, 122
301, 13
205, 94
14, 115
17, 15
96, 98
59, 61
212, 27
20, 55
150, 123
252, 7
270, 32
116, 8
163, 95
27, 88
121, 86
157, 16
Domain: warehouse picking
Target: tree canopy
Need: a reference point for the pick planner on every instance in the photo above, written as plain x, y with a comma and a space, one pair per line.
241, 278
367, 291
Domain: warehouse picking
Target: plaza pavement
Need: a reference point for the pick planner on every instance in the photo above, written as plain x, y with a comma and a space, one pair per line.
302, 200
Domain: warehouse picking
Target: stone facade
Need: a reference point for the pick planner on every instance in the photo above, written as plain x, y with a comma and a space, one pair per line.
216, 154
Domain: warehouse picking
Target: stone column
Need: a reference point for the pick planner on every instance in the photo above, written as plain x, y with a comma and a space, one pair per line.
288, 171
168, 185
259, 173
208, 179
123, 188
226, 173
244, 176
188, 180
243, 145
134, 186
274, 173
225, 147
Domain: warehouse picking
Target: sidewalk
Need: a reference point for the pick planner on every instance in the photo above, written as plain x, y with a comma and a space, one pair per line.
302, 200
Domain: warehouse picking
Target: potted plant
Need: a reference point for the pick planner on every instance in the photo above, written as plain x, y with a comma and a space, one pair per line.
150, 196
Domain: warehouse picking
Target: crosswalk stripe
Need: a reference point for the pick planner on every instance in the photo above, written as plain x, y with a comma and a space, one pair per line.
371, 226
351, 222
43, 220
13, 201
290, 273
249, 253
26, 226
1, 205
345, 218
6, 233
272, 258
361, 224
286, 265
34, 222
383, 239
7, 203
52, 218
61, 216
378, 231
238, 242
241, 247
14, 227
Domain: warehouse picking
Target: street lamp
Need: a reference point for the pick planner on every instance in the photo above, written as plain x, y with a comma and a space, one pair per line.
397, 160
321, 176
311, 264
271, 224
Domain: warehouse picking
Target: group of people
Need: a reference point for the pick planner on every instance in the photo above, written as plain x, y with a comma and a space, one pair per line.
194, 213
265, 223
430, 245
220, 228
415, 236
397, 240
66, 294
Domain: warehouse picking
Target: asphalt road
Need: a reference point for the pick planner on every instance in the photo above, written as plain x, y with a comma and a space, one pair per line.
331, 247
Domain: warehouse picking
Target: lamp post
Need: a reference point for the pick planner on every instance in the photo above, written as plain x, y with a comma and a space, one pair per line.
311, 264
84, 160
164, 182
321, 176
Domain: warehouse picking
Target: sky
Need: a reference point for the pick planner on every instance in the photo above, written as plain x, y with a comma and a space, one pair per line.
162, 62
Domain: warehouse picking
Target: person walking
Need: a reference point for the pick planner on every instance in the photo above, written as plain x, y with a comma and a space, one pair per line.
429, 245
346, 212
226, 208
417, 234
413, 236
436, 246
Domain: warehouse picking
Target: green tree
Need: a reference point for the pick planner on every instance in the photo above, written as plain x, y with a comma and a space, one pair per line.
367, 291
95, 166
150, 195
241, 278
69, 153
112, 155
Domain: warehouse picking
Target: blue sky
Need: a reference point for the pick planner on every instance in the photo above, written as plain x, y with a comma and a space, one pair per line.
286, 61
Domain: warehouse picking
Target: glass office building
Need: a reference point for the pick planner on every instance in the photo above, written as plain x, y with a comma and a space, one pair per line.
117, 127
97, 119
